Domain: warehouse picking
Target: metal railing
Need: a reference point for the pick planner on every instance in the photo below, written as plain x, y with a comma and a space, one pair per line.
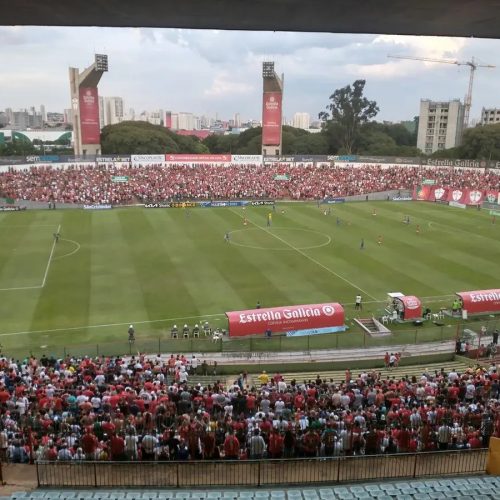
252, 473
257, 347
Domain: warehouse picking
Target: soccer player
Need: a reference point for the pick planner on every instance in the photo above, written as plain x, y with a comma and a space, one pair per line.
362, 244
245, 221
227, 237
374, 212
269, 219
417, 230
380, 239
56, 237
338, 221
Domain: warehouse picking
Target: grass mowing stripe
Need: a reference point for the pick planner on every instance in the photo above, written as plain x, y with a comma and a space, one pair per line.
113, 276
310, 258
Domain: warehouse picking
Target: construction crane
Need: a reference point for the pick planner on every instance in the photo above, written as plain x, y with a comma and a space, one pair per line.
473, 65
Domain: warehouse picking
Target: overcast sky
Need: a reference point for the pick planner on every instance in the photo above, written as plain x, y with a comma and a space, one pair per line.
208, 72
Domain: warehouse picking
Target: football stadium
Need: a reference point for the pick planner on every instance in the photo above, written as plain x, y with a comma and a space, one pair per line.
195, 307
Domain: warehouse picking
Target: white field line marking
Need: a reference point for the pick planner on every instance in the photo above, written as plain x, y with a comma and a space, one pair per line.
78, 246
148, 321
26, 225
50, 258
308, 257
107, 325
20, 288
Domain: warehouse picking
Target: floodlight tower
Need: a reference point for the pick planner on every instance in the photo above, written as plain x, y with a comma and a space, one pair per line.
271, 110
85, 106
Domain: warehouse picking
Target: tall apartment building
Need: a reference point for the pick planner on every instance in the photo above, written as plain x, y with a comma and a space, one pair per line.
114, 110
489, 116
440, 125
301, 120
186, 121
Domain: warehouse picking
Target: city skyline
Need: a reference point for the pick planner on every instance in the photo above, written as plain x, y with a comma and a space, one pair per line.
219, 72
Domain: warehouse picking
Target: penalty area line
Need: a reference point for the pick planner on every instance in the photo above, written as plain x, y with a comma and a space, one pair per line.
107, 325
307, 256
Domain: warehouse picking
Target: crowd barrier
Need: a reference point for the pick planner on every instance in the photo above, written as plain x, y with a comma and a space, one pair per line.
254, 473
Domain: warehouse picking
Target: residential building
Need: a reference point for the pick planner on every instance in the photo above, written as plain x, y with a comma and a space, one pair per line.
102, 112
185, 121
489, 116
113, 110
301, 120
440, 125
68, 115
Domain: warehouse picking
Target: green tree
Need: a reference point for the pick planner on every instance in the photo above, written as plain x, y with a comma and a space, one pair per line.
482, 143
347, 111
142, 138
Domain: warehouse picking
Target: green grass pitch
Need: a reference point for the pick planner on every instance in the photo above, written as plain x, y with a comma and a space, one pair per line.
157, 267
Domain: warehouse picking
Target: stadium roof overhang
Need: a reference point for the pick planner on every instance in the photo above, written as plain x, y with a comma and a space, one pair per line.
477, 18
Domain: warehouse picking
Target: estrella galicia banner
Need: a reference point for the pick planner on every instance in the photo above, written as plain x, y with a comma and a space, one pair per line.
271, 118
89, 115
285, 319
481, 301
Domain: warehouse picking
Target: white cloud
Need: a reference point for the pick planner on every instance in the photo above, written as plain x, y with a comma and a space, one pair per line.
222, 85
220, 71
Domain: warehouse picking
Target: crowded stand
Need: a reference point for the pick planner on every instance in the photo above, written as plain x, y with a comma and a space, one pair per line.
144, 408
88, 183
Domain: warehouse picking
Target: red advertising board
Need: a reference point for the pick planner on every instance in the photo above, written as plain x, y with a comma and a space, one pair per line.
285, 319
271, 118
89, 115
412, 307
464, 196
193, 158
481, 301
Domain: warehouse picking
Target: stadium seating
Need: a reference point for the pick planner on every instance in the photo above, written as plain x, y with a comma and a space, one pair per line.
86, 183
104, 408
479, 488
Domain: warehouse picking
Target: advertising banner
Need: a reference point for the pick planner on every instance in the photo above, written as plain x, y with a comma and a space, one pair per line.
89, 115
119, 178
279, 159
271, 118
11, 208
97, 207
492, 197
198, 158
42, 159
12, 160
281, 177
172, 204
285, 319
466, 196
139, 159
259, 203
112, 159
481, 301
333, 201
427, 192
245, 159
